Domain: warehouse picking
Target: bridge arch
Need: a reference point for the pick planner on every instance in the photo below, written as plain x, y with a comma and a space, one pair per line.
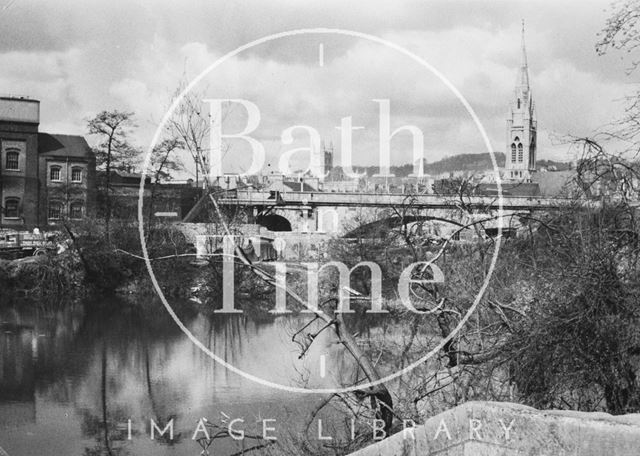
274, 222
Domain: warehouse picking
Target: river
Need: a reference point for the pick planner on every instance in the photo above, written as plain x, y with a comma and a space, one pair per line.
88, 378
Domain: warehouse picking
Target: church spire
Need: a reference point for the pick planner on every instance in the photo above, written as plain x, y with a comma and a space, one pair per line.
521, 126
523, 74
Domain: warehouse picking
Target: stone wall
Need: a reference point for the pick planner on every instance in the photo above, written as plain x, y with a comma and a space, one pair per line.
293, 246
505, 429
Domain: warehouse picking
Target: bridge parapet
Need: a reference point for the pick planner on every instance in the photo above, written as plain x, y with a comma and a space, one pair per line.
253, 198
506, 429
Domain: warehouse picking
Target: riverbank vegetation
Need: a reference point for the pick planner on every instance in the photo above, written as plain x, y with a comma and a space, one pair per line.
91, 263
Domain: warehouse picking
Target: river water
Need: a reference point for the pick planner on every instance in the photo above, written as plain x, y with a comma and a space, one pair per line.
74, 378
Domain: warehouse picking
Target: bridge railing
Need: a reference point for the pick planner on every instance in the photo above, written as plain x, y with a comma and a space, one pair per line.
378, 199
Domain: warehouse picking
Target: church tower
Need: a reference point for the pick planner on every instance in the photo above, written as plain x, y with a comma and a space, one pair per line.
328, 159
521, 154
322, 161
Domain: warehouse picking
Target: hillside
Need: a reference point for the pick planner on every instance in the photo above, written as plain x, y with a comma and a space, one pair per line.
462, 162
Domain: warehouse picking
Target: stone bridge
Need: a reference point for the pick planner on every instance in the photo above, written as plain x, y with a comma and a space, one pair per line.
342, 213
506, 429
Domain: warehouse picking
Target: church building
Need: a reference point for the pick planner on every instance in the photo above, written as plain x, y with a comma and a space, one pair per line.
521, 153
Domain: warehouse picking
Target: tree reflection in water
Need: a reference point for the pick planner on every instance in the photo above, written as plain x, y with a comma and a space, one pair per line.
108, 362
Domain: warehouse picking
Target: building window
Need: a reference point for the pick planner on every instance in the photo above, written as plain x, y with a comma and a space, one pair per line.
75, 211
513, 153
518, 103
11, 208
12, 162
54, 173
76, 174
55, 211
520, 153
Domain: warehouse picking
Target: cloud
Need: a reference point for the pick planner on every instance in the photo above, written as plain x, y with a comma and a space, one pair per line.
79, 58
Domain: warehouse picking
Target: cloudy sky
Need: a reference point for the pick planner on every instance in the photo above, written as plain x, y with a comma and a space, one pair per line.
80, 57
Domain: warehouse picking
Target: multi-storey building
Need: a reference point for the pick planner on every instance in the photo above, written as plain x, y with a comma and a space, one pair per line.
44, 178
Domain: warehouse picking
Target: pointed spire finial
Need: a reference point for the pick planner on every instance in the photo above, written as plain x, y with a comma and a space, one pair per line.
523, 76
524, 51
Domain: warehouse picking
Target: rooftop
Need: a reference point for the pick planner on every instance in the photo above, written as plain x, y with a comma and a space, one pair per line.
67, 145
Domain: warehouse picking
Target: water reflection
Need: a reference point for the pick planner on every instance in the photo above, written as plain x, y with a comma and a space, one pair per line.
71, 378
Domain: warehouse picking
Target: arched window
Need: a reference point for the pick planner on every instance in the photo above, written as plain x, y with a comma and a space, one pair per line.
12, 208
54, 174
12, 160
55, 210
75, 211
513, 153
76, 174
532, 152
520, 153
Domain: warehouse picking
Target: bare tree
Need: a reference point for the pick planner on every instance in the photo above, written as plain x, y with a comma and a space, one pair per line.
163, 161
190, 125
113, 128
622, 30
622, 33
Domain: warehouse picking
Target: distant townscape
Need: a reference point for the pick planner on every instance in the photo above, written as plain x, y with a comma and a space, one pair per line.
47, 178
